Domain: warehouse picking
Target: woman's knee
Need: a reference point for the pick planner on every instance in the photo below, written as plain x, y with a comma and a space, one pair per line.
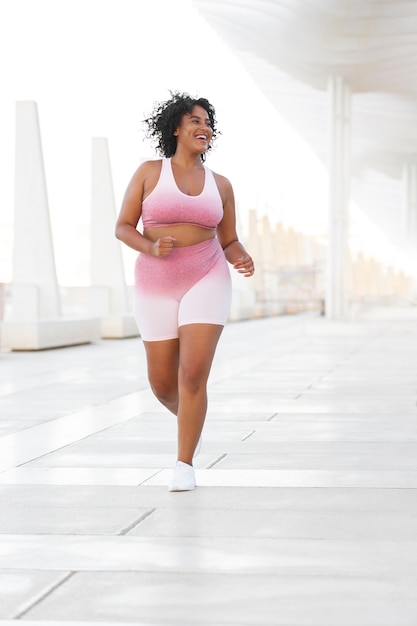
165, 391
192, 380
162, 359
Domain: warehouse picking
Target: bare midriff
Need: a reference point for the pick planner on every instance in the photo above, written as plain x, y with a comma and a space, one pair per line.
185, 234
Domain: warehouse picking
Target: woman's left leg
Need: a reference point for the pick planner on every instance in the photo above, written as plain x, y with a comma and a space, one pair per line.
197, 346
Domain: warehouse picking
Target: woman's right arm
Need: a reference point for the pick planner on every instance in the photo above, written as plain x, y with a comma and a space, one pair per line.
131, 210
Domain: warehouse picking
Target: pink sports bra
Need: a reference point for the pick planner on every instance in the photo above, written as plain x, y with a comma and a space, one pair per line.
166, 205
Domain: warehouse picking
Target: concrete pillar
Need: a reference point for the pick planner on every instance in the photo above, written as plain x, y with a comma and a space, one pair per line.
35, 292
337, 256
269, 267
279, 238
410, 202
35, 322
109, 295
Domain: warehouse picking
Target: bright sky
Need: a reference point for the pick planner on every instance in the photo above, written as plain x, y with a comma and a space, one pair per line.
95, 68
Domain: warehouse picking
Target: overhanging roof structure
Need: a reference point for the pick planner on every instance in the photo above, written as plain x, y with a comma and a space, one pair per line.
292, 47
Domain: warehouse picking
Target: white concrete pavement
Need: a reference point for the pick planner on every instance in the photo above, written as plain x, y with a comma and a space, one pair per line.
306, 509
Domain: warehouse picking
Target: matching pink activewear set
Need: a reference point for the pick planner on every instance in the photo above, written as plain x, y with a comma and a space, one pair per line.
192, 284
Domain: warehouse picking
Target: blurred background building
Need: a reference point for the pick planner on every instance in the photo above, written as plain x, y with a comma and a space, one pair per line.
342, 72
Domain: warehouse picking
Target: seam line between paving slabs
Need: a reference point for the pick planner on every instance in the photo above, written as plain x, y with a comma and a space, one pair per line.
216, 460
252, 432
42, 596
138, 521
149, 477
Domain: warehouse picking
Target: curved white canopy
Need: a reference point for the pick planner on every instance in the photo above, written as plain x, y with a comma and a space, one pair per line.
292, 47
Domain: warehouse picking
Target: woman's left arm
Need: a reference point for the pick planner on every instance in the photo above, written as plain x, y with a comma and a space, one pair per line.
233, 249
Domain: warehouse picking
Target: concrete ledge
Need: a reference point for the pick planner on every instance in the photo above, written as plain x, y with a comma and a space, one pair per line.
118, 327
41, 335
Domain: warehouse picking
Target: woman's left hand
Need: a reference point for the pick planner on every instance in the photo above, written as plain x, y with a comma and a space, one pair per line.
245, 265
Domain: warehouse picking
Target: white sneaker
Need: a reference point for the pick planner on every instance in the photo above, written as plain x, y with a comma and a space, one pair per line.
183, 478
198, 447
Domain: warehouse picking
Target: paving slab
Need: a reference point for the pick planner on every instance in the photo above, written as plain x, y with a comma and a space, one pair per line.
75, 476
248, 601
317, 455
208, 554
82, 520
306, 506
389, 429
291, 524
53, 622
296, 478
240, 499
22, 589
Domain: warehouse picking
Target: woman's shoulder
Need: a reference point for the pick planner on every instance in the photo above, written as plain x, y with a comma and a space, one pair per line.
152, 165
147, 169
222, 181
224, 187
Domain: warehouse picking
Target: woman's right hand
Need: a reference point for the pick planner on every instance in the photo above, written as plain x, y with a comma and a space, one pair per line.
163, 246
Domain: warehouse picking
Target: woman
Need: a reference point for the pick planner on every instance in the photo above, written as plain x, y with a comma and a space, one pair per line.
182, 280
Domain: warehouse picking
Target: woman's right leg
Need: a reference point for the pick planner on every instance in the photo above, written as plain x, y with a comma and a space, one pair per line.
163, 361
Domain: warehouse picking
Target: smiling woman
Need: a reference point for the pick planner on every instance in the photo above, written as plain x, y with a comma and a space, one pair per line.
182, 281
162, 125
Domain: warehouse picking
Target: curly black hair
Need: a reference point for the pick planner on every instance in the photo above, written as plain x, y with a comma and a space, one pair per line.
166, 117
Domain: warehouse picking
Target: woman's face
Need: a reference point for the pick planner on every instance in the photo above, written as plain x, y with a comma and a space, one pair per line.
195, 130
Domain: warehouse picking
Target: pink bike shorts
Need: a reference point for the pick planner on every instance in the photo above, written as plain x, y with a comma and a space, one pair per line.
191, 285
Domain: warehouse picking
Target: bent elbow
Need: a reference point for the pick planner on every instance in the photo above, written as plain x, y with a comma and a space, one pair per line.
118, 231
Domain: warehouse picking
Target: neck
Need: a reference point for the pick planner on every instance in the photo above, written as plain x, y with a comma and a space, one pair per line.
189, 161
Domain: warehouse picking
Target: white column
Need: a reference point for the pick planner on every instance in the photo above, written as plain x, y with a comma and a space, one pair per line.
410, 202
337, 257
35, 287
109, 296
35, 322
